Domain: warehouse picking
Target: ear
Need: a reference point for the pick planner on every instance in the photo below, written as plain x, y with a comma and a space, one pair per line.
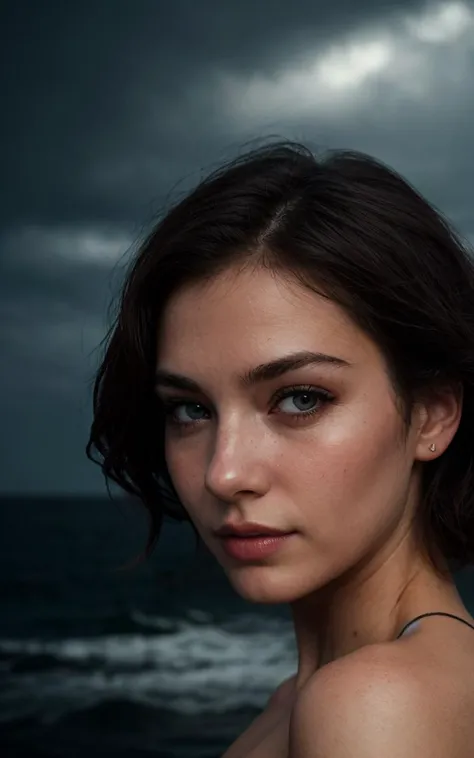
436, 420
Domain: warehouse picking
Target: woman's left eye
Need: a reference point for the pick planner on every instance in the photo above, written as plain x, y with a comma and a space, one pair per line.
307, 400
302, 401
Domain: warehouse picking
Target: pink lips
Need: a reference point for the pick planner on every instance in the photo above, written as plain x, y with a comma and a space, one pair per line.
254, 548
250, 541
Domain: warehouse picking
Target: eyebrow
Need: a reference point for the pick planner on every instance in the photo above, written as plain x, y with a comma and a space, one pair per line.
263, 373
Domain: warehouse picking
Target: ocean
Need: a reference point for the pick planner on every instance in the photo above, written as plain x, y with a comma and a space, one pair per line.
161, 660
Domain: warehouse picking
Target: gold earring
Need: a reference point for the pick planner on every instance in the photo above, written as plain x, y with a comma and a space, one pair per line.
432, 447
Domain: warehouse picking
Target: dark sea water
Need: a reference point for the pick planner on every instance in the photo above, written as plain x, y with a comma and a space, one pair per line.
163, 660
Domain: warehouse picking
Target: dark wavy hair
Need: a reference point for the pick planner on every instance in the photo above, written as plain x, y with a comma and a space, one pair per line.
351, 229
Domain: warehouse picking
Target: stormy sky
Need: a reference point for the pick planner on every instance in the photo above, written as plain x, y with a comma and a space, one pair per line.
111, 109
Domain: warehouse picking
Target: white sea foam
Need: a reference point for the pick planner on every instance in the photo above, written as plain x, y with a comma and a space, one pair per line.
199, 666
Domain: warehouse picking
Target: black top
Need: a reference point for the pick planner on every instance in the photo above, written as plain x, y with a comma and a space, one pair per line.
433, 613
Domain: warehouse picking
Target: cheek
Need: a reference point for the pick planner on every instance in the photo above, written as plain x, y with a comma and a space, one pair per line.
186, 474
355, 471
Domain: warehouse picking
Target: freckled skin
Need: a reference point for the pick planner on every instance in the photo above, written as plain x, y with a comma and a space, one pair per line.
346, 478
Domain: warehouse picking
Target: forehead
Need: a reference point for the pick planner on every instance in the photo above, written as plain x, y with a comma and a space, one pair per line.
255, 313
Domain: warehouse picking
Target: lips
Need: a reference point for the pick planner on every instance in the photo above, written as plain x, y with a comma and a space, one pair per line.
254, 549
249, 529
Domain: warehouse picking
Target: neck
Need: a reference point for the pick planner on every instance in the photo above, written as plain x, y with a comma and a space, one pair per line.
369, 605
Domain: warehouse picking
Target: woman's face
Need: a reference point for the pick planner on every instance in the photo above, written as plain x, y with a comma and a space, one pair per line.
339, 477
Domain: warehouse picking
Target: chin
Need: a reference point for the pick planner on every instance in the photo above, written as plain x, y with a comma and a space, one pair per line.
265, 585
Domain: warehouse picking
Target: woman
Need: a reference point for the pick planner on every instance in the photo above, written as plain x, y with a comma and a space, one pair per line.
293, 359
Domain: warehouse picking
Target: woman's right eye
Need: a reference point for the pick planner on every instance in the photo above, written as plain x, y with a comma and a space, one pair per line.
171, 407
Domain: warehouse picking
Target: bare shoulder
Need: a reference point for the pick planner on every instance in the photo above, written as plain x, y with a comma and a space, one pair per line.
283, 693
379, 701
268, 733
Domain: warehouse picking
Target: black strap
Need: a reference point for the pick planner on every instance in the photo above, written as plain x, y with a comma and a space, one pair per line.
433, 613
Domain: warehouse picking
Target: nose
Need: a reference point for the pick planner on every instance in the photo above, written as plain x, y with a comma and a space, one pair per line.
237, 466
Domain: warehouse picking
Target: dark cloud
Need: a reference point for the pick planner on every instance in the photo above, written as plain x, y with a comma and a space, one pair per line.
42, 442
96, 111
108, 107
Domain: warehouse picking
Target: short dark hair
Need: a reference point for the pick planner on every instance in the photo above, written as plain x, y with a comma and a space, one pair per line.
350, 228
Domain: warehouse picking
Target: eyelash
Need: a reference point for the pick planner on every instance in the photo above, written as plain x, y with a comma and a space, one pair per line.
324, 396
